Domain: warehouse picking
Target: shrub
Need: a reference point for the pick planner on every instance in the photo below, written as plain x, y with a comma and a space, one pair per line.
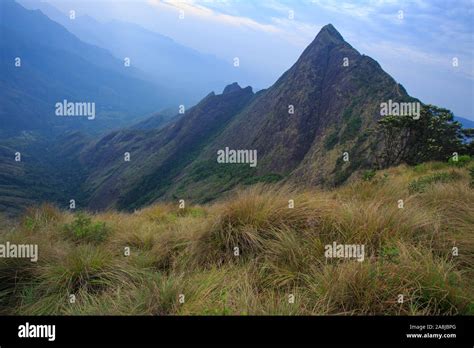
82, 229
368, 175
461, 161
421, 184
420, 168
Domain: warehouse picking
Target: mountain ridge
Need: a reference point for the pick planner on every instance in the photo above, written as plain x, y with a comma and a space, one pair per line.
288, 124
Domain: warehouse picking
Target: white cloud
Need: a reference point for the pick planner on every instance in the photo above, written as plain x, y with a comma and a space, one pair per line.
193, 9
417, 56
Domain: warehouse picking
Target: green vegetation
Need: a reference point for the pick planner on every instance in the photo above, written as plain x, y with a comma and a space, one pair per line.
83, 229
368, 175
54, 175
352, 128
221, 177
192, 251
221, 172
420, 185
267, 178
461, 161
435, 136
193, 134
331, 140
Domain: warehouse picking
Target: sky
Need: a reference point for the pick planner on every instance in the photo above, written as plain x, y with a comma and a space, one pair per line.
426, 45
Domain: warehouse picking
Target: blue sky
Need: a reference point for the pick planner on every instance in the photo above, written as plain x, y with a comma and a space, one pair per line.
416, 46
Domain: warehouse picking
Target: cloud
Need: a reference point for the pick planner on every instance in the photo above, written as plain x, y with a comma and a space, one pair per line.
419, 57
298, 33
191, 8
361, 10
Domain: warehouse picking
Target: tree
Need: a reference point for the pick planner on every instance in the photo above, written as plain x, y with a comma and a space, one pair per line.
434, 136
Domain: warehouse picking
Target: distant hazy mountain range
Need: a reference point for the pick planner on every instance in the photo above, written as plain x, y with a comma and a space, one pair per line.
42, 64
465, 122
189, 73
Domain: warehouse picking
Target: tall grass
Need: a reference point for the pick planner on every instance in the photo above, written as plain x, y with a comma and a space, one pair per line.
255, 253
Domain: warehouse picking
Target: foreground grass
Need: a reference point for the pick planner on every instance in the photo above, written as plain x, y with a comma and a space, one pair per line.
185, 261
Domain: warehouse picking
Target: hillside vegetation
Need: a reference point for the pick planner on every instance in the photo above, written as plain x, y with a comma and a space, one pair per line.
191, 252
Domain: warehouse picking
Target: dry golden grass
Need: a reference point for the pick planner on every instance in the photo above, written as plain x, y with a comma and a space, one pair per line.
192, 252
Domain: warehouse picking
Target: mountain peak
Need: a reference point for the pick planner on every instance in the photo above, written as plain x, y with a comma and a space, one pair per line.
328, 32
232, 88
317, 51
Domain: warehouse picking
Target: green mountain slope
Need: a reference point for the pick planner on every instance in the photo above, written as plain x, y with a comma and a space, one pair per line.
157, 157
48, 170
